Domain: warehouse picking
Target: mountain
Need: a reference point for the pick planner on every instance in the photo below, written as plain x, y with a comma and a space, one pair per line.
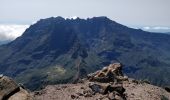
4, 42
58, 50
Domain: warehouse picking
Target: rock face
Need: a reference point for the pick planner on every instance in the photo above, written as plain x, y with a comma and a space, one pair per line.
11, 90
108, 81
106, 84
112, 73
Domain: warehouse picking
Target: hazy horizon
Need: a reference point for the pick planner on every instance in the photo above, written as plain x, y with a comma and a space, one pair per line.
149, 15
129, 12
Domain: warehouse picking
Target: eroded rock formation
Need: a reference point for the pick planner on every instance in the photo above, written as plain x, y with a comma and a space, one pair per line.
10, 90
108, 81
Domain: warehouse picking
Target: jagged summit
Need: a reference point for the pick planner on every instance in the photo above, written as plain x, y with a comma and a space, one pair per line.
76, 18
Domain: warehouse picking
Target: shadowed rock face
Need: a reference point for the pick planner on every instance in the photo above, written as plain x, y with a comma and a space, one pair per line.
10, 90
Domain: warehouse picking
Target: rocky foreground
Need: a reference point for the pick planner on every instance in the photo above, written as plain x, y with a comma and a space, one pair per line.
106, 84
10, 90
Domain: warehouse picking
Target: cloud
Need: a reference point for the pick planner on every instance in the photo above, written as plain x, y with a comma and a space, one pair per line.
157, 29
146, 28
161, 28
71, 17
12, 31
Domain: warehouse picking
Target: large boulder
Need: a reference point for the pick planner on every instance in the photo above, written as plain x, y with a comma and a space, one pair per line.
10, 90
108, 81
111, 73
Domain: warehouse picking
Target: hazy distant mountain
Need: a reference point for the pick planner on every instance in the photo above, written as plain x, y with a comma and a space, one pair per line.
58, 50
5, 42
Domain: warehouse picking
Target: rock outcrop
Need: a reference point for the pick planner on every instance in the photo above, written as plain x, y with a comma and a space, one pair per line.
112, 73
106, 84
108, 81
10, 90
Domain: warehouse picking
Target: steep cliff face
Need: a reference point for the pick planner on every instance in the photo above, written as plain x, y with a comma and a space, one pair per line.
58, 50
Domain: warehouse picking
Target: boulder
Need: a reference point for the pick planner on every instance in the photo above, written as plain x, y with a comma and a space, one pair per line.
112, 73
7, 87
10, 90
167, 89
109, 81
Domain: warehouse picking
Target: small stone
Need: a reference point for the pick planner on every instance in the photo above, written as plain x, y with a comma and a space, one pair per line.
132, 94
63, 86
74, 97
80, 94
82, 88
111, 96
105, 98
95, 88
37, 93
88, 93
117, 97
57, 88
167, 89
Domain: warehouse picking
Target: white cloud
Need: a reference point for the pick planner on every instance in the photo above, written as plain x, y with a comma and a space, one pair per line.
146, 28
74, 17
12, 31
157, 29
71, 17
161, 28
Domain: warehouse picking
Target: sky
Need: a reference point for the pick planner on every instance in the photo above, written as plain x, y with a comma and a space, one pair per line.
147, 14
12, 31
